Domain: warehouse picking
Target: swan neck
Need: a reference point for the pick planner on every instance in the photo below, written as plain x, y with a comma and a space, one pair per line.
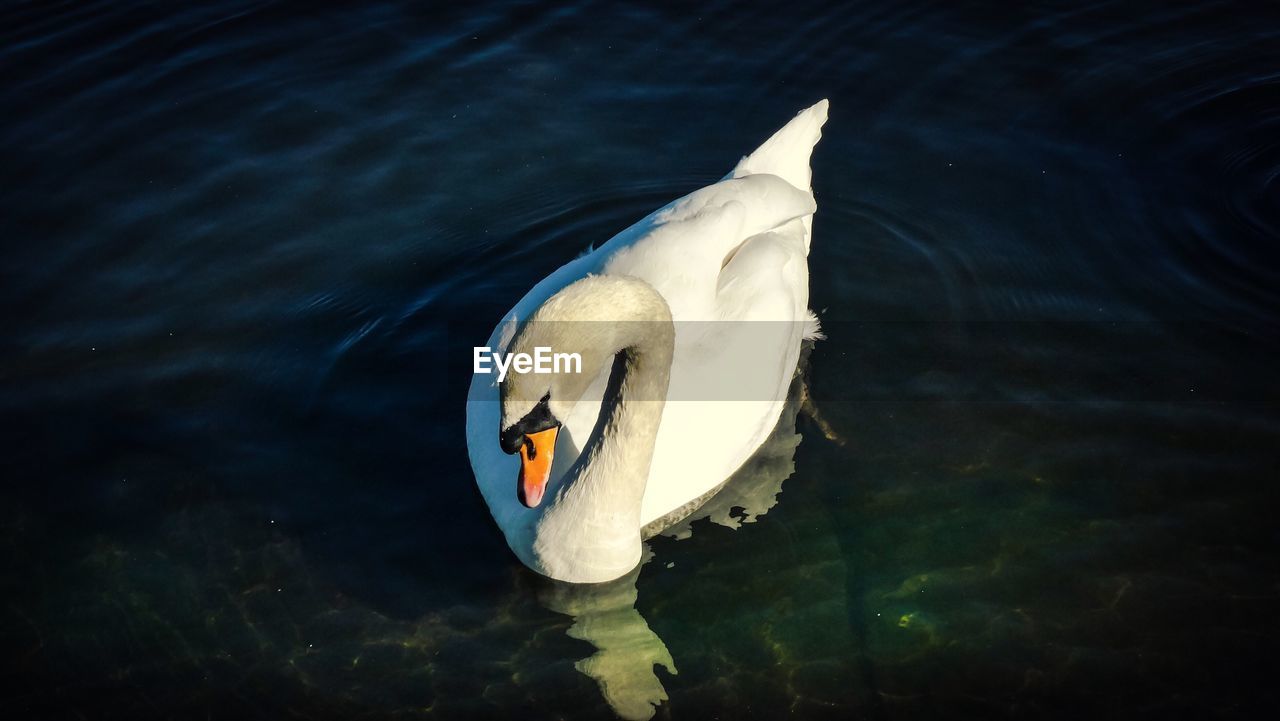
619, 463
592, 531
628, 441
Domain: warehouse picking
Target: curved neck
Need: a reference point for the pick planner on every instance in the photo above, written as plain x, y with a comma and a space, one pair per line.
593, 524
620, 452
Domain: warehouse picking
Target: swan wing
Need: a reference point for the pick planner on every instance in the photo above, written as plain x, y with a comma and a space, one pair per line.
730, 376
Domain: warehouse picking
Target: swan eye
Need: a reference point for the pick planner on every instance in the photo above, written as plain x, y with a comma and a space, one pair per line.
538, 419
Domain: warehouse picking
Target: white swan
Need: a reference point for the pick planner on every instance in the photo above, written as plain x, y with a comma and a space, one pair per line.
689, 325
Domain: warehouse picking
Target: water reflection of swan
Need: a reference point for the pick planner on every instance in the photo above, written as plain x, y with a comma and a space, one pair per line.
627, 650
604, 615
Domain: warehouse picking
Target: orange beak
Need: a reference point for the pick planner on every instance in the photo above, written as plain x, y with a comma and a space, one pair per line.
535, 465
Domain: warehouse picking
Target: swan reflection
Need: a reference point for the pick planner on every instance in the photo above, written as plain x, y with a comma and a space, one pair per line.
627, 650
605, 615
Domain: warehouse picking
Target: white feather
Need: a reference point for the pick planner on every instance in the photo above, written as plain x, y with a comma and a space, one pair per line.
734, 251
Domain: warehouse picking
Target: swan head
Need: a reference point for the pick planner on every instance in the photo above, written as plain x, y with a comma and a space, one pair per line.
592, 320
534, 438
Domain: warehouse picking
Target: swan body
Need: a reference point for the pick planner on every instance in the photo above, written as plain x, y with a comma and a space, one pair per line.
689, 324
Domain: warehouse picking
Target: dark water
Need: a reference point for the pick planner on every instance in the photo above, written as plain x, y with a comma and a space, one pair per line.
247, 250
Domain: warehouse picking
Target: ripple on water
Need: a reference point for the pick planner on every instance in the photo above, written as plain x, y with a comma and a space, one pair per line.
244, 243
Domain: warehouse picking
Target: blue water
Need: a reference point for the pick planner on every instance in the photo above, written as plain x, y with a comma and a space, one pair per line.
248, 248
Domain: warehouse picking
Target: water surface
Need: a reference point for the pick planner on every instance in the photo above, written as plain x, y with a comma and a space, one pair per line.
248, 248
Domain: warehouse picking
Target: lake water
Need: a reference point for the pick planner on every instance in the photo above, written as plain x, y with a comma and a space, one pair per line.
248, 249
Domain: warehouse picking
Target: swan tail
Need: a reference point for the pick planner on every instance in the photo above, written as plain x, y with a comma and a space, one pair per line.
786, 153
